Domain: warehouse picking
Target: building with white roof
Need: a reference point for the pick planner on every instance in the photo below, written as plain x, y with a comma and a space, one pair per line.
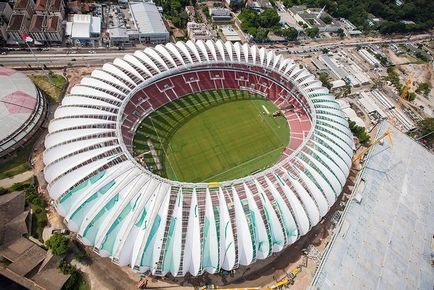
230, 33
198, 31
350, 113
22, 110
148, 23
344, 68
83, 27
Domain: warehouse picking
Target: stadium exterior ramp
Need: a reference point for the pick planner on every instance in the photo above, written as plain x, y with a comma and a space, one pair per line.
162, 226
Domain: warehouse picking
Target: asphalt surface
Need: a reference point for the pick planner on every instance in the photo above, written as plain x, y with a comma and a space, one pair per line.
60, 57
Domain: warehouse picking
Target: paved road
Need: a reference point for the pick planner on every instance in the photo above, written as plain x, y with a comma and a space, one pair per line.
61, 58
8, 182
58, 59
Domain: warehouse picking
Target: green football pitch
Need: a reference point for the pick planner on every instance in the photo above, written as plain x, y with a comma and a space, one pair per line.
211, 136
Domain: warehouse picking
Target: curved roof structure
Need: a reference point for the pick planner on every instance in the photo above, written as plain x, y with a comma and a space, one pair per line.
21, 109
154, 224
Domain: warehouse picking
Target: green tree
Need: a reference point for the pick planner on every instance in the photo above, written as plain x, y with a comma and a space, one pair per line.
327, 19
324, 78
426, 129
346, 91
289, 33
424, 89
312, 32
261, 34
360, 133
411, 96
58, 243
268, 18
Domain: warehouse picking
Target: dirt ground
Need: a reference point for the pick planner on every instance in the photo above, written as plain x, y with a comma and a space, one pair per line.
422, 72
76, 74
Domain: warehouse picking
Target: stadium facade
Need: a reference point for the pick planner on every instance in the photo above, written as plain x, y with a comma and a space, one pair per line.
162, 226
22, 110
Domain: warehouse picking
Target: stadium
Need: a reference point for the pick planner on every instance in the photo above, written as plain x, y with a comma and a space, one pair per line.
22, 110
123, 202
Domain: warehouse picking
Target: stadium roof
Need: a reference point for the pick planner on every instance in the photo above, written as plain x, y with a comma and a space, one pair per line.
154, 224
147, 18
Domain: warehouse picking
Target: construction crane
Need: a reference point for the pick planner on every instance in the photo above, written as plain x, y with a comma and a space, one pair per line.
391, 120
288, 279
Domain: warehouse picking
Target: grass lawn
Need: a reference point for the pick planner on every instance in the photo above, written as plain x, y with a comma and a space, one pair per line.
53, 89
39, 221
213, 136
17, 164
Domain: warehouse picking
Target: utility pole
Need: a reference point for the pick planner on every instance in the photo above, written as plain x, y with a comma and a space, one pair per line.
27, 39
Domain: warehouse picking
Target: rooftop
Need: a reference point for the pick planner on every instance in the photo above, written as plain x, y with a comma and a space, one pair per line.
384, 242
15, 22
41, 5
84, 25
55, 5
118, 33
18, 100
21, 4
31, 266
147, 18
52, 23
3, 6
36, 23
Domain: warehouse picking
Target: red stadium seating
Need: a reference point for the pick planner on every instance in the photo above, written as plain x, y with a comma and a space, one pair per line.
211, 77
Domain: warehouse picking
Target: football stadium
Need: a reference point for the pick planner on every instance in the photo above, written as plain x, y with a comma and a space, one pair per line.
22, 110
196, 157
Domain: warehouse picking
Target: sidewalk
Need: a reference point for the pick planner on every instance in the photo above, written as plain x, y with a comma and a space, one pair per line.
8, 182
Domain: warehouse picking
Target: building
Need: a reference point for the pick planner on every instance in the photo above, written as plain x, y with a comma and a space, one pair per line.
83, 29
46, 29
374, 21
22, 110
344, 68
369, 58
18, 25
350, 113
50, 7
349, 28
230, 33
5, 16
220, 15
118, 36
198, 31
234, 2
149, 26
314, 17
24, 7
160, 226
191, 12
258, 5
28, 264
20, 20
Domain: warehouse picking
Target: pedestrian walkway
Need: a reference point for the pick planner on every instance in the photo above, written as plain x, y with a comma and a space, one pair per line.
8, 182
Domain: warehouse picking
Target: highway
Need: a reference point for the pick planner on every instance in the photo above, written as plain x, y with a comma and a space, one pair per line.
60, 58
19, 60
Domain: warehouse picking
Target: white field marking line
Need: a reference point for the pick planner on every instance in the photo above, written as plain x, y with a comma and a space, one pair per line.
241, 164
265, 121
164, 150
265, 109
